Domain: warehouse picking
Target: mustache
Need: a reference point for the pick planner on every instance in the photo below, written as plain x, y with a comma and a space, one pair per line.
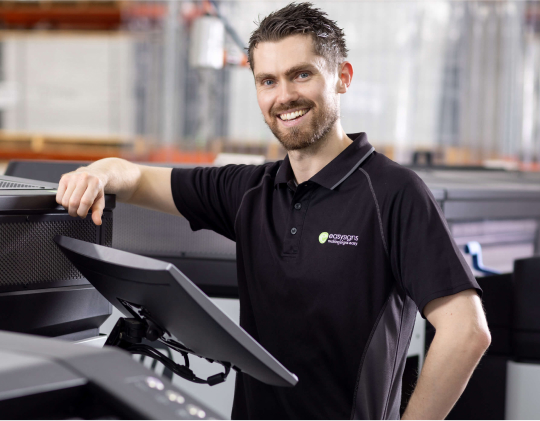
292, 105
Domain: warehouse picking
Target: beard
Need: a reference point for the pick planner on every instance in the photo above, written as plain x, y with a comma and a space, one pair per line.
295, 138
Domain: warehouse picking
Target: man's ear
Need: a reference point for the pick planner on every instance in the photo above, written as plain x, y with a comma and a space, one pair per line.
345, 74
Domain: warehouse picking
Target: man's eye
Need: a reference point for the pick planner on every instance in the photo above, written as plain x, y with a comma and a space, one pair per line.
268, 82
303, 75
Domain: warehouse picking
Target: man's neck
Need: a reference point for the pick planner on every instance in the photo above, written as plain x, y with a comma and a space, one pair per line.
309, 161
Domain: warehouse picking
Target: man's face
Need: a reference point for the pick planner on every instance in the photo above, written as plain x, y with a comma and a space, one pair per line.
296, 91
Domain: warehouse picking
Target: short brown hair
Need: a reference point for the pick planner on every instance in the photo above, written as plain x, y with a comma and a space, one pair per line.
301, 18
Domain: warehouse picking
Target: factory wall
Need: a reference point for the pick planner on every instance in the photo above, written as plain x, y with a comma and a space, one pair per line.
68, 83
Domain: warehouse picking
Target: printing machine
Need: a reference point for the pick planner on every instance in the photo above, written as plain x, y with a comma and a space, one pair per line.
43, 378
501, 211
498, 209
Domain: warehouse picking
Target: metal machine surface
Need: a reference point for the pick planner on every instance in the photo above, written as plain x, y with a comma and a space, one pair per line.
523, 376
498, 209
207, 258
17, 194
42, 378
481, 195
41, 292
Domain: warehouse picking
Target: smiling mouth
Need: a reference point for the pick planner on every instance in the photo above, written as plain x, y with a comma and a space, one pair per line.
294, 115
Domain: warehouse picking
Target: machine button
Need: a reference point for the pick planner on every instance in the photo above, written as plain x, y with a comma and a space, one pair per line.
175, 397
193, 410
172, 396
294, 231
154, 383
298, 206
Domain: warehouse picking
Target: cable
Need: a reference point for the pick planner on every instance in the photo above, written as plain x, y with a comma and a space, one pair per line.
128, 334
181, 370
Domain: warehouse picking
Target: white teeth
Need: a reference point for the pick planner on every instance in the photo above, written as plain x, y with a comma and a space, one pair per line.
292, 116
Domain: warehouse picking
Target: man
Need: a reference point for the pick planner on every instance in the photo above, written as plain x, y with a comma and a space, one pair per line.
337, 246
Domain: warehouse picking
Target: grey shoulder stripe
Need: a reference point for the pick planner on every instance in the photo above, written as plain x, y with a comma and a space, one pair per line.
354, 168
378, 210
244, 196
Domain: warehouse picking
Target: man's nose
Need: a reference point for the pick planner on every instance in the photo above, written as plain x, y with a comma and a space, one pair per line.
287, 93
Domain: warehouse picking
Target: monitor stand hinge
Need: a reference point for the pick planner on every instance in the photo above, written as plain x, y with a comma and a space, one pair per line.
128, 334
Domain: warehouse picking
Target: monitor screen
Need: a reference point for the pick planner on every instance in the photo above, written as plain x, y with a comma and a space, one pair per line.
143, 287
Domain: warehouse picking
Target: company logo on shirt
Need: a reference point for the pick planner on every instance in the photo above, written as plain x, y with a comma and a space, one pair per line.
338, 239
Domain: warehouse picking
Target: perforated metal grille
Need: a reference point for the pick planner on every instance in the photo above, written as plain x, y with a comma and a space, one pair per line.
9, 185
28, 254
107, 232
144, 231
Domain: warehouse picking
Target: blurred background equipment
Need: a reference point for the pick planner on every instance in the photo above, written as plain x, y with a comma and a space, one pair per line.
207, 43
438, 83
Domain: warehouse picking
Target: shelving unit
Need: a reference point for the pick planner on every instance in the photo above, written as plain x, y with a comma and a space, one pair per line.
86, 15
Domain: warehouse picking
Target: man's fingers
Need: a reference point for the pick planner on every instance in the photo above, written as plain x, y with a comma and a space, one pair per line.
62, 188
75, 199
80, 192
67, 194
97, 210
88, 198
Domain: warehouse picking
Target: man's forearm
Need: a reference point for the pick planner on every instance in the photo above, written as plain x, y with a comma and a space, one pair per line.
119, 176
447, 369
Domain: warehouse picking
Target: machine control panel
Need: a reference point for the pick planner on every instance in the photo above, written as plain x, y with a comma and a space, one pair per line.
184, 407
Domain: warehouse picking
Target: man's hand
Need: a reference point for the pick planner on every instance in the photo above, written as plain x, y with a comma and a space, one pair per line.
81, 191
84, 190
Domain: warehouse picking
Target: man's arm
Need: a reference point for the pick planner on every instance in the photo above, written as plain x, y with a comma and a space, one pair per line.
83, 190
461, 338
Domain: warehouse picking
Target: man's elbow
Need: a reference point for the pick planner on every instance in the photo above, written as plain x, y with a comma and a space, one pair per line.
478, 340
471, 339
483, 339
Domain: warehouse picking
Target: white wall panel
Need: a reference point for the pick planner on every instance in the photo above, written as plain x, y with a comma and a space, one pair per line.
71, 84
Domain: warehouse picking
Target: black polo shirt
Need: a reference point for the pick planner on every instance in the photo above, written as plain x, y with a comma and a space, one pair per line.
330, 275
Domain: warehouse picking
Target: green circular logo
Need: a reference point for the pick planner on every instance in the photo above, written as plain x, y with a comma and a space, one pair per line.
323, 237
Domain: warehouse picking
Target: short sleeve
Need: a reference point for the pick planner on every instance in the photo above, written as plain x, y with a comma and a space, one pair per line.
209, 197
423, 254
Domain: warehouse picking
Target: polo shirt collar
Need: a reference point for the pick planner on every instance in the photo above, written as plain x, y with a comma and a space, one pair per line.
339, 169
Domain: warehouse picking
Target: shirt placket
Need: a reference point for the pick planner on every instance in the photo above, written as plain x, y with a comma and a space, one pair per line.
297, 215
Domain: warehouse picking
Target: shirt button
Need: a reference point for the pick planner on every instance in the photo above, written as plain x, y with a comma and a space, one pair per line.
293, 231
297, 206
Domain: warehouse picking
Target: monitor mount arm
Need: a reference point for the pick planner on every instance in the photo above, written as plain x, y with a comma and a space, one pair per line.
128, 334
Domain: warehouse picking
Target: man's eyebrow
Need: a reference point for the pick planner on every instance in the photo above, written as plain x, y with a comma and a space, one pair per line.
300, 67
262, 76
295, 69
